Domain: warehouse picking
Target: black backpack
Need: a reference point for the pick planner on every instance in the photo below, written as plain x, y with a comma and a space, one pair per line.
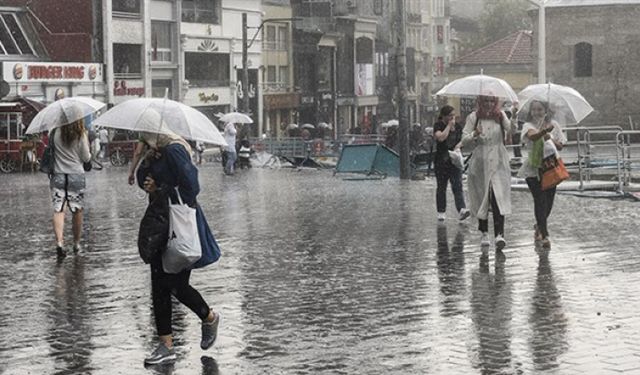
48, 156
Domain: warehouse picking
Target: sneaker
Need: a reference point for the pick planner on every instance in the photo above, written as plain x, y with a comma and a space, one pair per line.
77, 248
464, 213
209, 332
484, 239
546, 243
442, 216
161, 355
61, 252
500, 242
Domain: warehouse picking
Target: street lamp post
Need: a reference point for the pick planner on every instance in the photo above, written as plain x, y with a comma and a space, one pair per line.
245, 52
542, 47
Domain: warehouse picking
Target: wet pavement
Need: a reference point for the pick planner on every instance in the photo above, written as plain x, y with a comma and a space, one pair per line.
321, 275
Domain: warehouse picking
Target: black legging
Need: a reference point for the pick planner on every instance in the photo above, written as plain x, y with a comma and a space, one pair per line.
542, 203
162, 286
498, 218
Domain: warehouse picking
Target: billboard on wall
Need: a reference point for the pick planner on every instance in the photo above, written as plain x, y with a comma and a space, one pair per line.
25, 72
364, 79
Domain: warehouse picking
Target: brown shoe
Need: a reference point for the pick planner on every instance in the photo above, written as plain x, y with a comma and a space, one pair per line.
546, 243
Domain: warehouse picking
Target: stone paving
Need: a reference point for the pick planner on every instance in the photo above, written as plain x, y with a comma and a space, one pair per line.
321, 275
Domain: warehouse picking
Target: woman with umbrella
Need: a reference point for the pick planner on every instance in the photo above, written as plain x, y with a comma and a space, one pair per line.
540, 131
166, 172
67, 184
489, 176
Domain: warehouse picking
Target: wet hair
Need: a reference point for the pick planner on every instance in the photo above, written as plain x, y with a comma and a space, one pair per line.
72, 132
445, 111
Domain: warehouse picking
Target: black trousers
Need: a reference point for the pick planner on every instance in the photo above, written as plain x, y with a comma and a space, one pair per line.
542, 203
498, 218
163, 285
444, 174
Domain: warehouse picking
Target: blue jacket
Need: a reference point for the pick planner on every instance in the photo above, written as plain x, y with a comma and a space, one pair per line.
175, 169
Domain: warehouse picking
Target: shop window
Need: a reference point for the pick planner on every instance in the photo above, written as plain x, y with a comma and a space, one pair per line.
283, 38
271, 74
201, 11
160, 87
12, 36
127, 60
10, 126
206, 69
270, 38
283, 75
161, 41
126, 6
582, 60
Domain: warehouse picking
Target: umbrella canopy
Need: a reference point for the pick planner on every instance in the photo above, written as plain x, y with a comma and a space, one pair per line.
292, 126
236, 118
390, 123
478, 85
63, 112
567, 106
163, 116
307, 126
324, 125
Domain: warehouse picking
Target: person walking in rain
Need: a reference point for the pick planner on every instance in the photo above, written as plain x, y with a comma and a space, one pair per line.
489, 176
448, 136
230, 137
167, 171
67, 184
538, 132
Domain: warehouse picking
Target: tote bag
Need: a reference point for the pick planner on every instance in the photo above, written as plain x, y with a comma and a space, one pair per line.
183, 247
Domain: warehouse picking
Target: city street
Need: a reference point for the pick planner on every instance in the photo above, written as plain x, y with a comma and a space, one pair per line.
324, 275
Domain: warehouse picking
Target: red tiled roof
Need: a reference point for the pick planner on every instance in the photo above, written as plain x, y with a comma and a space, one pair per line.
513, 49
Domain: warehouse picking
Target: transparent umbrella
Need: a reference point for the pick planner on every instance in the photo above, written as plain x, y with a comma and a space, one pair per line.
162, 116
324, 125
478, 85
63, 112
567, 106
307, 126
292, 126
236, 118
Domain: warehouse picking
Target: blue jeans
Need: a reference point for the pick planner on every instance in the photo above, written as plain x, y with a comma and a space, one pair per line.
231, 161
444, 174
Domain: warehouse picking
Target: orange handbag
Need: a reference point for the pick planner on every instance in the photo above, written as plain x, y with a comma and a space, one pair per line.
553, 172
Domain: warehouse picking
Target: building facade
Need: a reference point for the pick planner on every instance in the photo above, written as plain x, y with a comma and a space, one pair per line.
44, 56
189, 50
280, 100
601, 62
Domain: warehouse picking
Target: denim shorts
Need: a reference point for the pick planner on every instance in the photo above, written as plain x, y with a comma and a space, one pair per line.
67, 188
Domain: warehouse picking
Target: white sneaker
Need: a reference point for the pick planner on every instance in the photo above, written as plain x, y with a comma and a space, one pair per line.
484, 239
500, 242
442, 216
464, 213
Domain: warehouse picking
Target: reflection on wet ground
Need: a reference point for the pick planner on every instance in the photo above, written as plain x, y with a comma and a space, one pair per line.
324, 275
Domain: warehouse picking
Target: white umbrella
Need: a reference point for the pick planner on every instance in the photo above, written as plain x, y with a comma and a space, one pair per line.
236, 118
324, 125
292, 126
163, 116
478, 85
390, 123
63, 112
307, 126
567, 106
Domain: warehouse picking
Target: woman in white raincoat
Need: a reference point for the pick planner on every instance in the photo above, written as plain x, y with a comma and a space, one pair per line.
489, 176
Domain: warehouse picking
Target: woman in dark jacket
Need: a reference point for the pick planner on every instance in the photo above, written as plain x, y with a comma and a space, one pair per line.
448, 135
168, 166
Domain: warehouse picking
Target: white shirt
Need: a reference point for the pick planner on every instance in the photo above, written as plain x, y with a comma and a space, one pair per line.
230, 136
103, 134
556, 134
